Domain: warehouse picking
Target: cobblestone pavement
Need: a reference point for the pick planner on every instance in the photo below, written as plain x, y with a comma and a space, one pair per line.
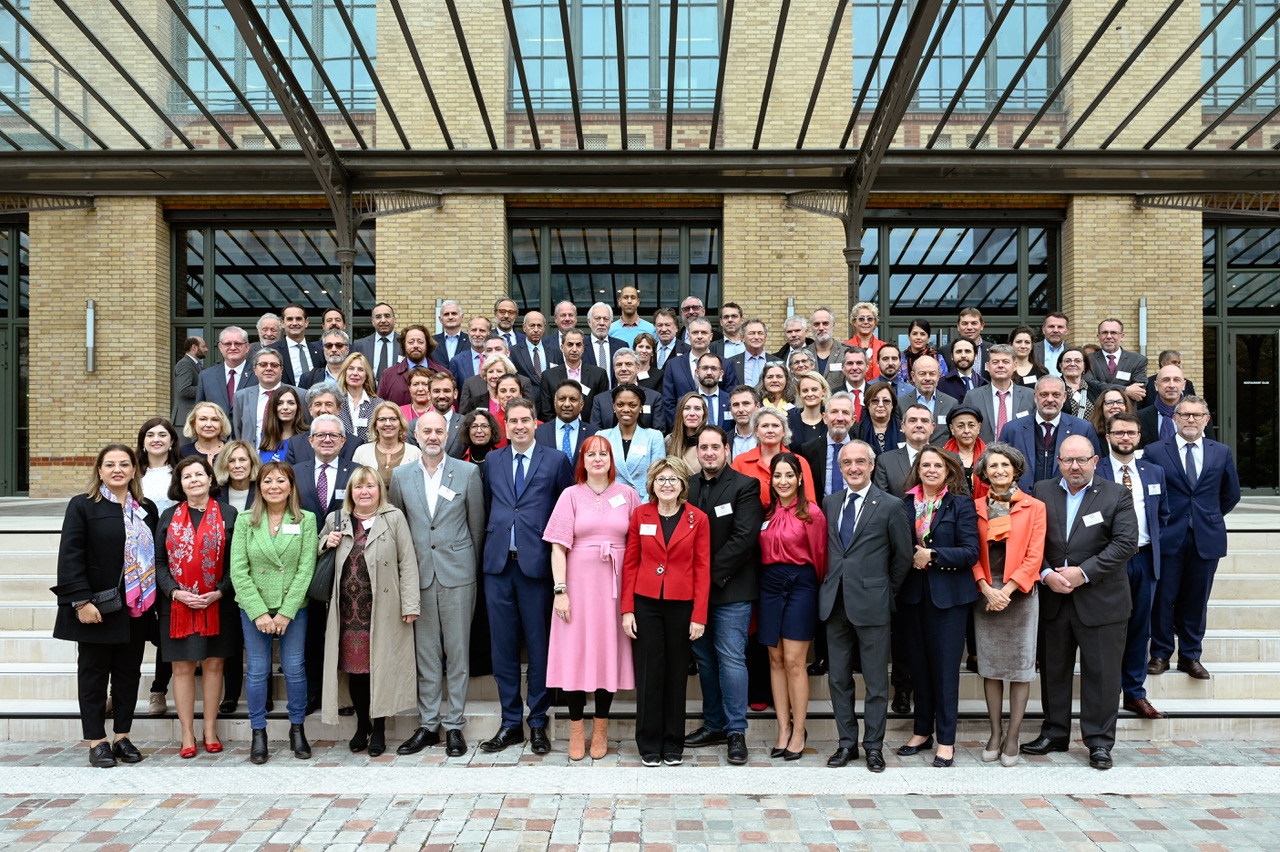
1199, 797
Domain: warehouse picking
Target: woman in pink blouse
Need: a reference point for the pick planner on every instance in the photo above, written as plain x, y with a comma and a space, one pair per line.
793, 553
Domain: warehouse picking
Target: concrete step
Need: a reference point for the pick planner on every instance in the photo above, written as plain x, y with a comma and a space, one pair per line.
1250, 562
1243, 615
33, 562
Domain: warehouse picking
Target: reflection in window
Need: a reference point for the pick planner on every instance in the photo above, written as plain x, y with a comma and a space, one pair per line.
1251, 285
1210, 271
14, 272
1241, 23
594, 34
15, 40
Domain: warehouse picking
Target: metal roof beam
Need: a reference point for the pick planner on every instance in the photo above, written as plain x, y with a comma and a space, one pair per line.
724, 61
317, 65
574, 96
44, 90
671, 69
822, 71
13, 105
368, 67
514, 38
422, 71
620, 40
1258, 204
978, 57
881, 44
1235, 105
773, 68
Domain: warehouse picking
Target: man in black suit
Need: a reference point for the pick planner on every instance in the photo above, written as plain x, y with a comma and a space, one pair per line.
532, 355
795, 329
300, 356
892, 467
969, 326
567, 431
751, 361
186, 375
1158, 422
652, 413
452, 338
731, 502
566, 317
380, 347
1085, 601
961, 377
1116, 366
218, 384
1167, 357
477, 387
591, 378
504, 320
869, 553
666, 328
322, 398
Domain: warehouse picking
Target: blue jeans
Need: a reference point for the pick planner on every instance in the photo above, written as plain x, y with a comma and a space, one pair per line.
722, 667
257, 653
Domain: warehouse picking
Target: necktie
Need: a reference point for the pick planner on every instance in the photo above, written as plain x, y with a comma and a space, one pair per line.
663, 352
857, 405
1191, 467
1111, 366
1002, 414
384, 355
519, 474
303, 361
1126, 478
968, 386
711, 410
537, 361
602, 359
511, 340
322, 489
566, 445
847, 521
1048, 437
231, 388
835, 466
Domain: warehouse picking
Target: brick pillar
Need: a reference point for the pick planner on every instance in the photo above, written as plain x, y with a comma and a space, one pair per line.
117, 255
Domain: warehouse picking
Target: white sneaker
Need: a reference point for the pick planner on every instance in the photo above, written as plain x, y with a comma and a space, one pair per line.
652, 760
674, 760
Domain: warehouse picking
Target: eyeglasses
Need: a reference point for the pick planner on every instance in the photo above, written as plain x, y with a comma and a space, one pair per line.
864, 319
234, 344
335, 346
326, 436
667, 480
879, 402
1191, 415
1126, 434
388, 420
1080, 462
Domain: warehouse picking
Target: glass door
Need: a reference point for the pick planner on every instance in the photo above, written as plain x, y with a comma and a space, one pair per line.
1257, 408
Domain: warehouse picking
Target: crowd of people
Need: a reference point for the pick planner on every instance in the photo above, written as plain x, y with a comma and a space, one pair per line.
638, 503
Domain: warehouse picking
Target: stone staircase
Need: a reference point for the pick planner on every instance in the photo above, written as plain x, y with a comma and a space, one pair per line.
1242, 650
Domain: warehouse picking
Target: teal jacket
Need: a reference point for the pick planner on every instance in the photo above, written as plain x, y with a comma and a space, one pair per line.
271, 575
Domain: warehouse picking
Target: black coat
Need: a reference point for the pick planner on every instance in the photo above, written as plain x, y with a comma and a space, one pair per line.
735, 533
91, 560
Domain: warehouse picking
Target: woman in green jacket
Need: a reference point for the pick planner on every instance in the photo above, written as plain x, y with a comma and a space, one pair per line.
273, 555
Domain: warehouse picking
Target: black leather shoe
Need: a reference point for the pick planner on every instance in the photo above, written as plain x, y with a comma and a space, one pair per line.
787, 754
455, 745
841, 757
901, 702
378, 741
1157, 665
1044, 745
1193, 668
818, 668
228, 706
1100, 757
908, 750
875, 760
360, 740
505, 737
704, 736
101, 756
346, 711
737, 749
693, 668
258, 746
539, 742
313, 704
421, 738
298, 742
126, 751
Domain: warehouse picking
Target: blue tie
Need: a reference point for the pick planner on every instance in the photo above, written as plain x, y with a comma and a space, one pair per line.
835, 467
565, 446
1190, 465
711, 410
848, 519
519, 475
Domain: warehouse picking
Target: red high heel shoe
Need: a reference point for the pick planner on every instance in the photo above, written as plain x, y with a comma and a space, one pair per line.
213, 748
187, 753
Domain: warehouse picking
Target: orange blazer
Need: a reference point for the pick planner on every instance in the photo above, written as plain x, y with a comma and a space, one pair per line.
749, 463
1024, 549
678, 571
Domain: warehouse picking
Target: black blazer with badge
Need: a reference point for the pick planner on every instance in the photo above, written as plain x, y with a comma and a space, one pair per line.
734, 512
594, 382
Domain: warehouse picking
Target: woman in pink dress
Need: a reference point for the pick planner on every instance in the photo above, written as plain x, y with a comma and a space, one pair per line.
589, 652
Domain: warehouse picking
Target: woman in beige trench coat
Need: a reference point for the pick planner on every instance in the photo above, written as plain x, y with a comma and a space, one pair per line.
368, 650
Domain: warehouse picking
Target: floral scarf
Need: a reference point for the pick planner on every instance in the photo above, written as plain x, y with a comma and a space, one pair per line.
139, 555
925, 510
195, 560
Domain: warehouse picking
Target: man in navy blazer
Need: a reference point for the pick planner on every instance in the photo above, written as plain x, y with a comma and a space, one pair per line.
653, 415
1146, 482
467, 363
211, 386
1028, 433
568, 409
678, 377
295, 329
1203, 485
522, 482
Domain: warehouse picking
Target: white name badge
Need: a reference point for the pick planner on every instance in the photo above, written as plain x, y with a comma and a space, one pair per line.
1021, 414
339, 493
291, 529
1153, 489
618, 500
362, 421
1092, 519
446, 493
1123, 375
764, 526
1029, 380
648, 529
586, 391
642, 376
647, 409
724, 509
942, 420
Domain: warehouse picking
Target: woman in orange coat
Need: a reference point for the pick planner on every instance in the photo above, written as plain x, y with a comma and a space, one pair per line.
1011, 529
666, 580
773, 436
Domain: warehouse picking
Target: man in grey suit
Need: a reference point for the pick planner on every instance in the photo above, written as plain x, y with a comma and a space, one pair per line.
1115, 366
892, 467
250, 404
750, 362
924, 380
653, 415
1000, 400
1085, 601
869, 553
186, 375
444, 503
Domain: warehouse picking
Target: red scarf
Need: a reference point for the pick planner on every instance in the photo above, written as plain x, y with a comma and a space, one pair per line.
195, 561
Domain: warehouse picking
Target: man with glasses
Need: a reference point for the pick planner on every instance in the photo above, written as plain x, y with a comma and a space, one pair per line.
1203, 487
380, 347
1114, 366
1092, 531
218, 384
250, 404
322, 398
1146, 483
336, 346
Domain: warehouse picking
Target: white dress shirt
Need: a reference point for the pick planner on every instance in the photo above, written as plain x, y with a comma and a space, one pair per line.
299, 358
431, 484
1139, 495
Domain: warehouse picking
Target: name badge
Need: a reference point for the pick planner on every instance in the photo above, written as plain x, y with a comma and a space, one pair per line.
618, 500
1021, 414
586, 391
648, 529
1123, 375
362, 421
1153, 489
291, 529
764, 526
339, 493
942, 420
724, 509
1092, 519
642, 376
446, 493
1029, 380
646, 409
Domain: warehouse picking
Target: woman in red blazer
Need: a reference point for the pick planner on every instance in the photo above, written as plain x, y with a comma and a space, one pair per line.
666, 579
1011, 529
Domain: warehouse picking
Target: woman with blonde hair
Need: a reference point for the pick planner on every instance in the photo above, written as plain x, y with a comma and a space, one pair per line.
209, 427
805, 419
389, 449
359, 397
236, 469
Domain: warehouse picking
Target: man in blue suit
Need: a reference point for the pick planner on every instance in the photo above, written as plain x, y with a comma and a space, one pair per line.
467, 362
521, 485
1146, 482
566, 431
1204, 486
679, 375
1038, 438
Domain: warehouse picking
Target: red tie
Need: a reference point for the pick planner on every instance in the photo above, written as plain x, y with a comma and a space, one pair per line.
231, 387
1111, 366
1002, 416
857, 405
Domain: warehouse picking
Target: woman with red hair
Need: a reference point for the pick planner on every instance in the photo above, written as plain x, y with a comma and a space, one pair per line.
588, 651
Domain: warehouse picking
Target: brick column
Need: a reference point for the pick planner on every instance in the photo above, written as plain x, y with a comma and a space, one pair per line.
117, 255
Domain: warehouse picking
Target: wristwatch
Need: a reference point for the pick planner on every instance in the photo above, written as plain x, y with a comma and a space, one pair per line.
560, 589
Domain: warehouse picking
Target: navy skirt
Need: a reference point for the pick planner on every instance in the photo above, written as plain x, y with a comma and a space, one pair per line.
788, 603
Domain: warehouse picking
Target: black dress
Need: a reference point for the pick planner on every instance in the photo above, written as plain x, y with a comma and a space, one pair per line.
197, 647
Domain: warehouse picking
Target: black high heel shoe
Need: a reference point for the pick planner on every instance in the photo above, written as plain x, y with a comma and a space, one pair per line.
776, 753
795, 755
908, 750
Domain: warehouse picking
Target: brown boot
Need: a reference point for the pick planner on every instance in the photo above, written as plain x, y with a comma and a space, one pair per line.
577, 740
599, 738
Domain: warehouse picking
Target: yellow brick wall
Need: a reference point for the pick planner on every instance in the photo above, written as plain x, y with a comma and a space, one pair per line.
118, 255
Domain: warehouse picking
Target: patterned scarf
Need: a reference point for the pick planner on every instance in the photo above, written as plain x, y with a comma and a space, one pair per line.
925, 510
139, 555
195, 559
1167, 429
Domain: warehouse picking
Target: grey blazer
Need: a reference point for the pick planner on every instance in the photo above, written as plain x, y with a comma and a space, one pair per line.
244, 413
1128, 362
836, 361
874, 566
942, 405
891, 471
739, 363
983, 398
186, 374
448, 543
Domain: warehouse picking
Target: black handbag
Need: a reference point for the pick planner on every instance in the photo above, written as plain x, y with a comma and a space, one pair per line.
109, 601
321, 588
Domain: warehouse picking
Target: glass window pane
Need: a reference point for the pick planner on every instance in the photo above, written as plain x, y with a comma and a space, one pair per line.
1253, 293
945, 269
1252, 247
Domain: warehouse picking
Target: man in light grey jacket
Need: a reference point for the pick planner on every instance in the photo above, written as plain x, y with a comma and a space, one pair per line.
443, 501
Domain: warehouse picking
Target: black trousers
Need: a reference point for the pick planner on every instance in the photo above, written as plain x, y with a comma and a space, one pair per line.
661, 655
233, 664
314, 652
121, 665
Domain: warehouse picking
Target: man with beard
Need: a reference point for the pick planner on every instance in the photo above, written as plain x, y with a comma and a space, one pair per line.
828, 353
416, 346
961, 378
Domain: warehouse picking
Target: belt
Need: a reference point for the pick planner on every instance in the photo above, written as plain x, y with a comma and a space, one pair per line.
513, 555
1146, 548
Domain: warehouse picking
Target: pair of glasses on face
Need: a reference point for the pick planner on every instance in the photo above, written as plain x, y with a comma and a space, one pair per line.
667, 480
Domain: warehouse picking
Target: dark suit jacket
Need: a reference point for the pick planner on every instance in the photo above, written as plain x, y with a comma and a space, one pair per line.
1203, 508
305, 474
549, 473
365, 346
652, 380
299, 450
475, 393
1149, 417
653, 415
678, 347
317, 375
462, 365
733, 509
872, 570
1024, 433
1149, 400
678, 380
1129, 362
815, 453
212, 385
1156, 505
594, 385
394, 384
739, 361
524, 361
589, 354
784, 352
953, 386
186, 374
314, 347
1101, 549
548, 435
891, 471
954, 535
